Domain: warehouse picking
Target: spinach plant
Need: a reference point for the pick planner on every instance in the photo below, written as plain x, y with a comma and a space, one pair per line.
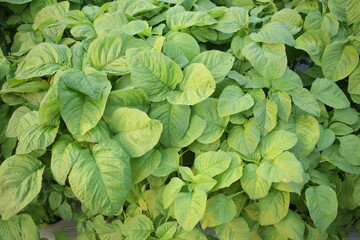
156, 119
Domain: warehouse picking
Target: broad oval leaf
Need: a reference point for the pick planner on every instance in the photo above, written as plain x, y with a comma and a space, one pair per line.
44, 59
274, 207
189, 208
215, 125
135, 131
322, 204
265, 113
245, 139
308, 133
269, 59
139, 227
232, 100
100, 178
219, 63
220, 209
236, 229
212, 163
306, 101
157, 80
89, 81
108, 54
276, 142
175, 120
20, 183
80, 112
338, 60
255, 186
329, 93
274, 32
197, 85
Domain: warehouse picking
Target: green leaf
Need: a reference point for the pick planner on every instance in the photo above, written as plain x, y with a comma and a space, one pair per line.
89, 82
20, 183
308, 133
18, 227
354, 81
100, 132
230, 175
219, 63
196, 127
197, 85
169, 162
63, 155
232, 100
313, 42
80, 112
135, 131
265, 114
215, 125
329, 93
220, 209
326, 139
288, 81
305, 101
179, 45
276, 142
245, 139
139, 227
44, 59
290, 18
345, 10
268, 59
50, 14
34, 136
11, 130
346, 115
283, 101
202, 182
274, 32
156, 80
102, 173
338, 61
105, 230
189, 208
350, 148
171, 190
236, 229
212, 163
187, 19
131, 98
145, 165
274, 207
55, 199
255, 186
166, 230
175, 120
291, 226
284, 168
64, 211
318, 200
233, 20
133, 7
109, 23
107, 54
332, 155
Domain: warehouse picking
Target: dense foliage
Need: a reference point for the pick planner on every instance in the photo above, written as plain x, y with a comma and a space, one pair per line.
143, 119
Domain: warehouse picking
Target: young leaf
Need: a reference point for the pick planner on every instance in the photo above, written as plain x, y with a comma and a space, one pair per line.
232, 100
220, 209
212, 163
322, 204
265, 114
329, 93
171, 191
255, 186
156, 80
44, 59
189, 208
135, 131
20, 183
102, 173
274, 207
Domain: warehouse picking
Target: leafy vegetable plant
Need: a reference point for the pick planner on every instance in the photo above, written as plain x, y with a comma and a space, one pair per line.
156, 119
